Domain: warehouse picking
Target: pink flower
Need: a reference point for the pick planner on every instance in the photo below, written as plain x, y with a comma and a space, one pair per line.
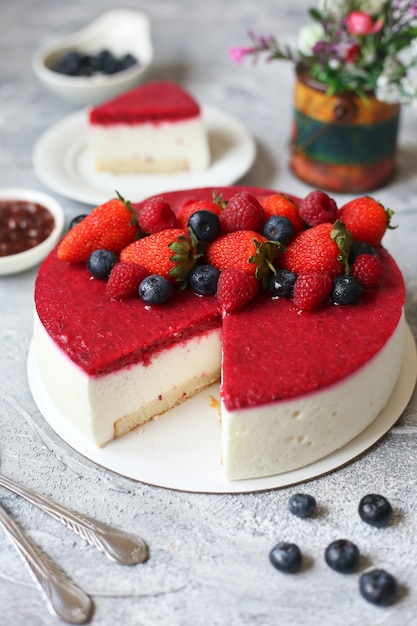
361, 23
237, 54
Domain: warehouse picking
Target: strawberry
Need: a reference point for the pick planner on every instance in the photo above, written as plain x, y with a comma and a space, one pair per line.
245, 250
311, 289
124, 280
235, 289
368, 269
243, 212
110, 226
322, 248
171, 253
155, 215
317, 207
281, 204
366, 218
216, 205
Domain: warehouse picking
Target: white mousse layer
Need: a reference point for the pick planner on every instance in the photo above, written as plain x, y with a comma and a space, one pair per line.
150, 147
286, 435
104, 407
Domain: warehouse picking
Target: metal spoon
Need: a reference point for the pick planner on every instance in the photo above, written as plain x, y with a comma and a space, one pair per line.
118, 545
63, 597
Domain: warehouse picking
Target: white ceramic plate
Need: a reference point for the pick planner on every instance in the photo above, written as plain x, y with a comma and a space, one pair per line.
62, 160
182, 449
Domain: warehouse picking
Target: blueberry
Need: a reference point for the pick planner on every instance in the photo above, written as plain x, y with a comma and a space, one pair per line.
76, 220
342, 556
203, 280
281, 283
375, 510
360, 247
378, 587
302, 505
205, 225
128, 60
346, 290
100, 263
286, 557
69, 64
155, 289
278, 228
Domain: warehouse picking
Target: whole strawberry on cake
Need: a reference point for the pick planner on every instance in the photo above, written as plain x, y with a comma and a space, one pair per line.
293, 304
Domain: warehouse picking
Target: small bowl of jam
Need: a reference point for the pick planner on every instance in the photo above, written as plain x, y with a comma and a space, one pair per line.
31, 224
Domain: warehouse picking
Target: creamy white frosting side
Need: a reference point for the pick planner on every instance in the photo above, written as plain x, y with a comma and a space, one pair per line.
93, 405
148, 147
286, 435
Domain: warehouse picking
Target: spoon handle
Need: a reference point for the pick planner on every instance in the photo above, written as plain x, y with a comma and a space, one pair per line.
64, 598
118, 545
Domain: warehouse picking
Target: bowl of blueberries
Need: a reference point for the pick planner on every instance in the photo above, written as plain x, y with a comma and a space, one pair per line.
107, 57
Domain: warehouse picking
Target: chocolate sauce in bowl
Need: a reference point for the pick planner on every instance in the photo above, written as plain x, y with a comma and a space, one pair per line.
23, 225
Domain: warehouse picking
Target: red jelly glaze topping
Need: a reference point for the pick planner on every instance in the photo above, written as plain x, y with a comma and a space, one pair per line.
153, 102
23, 225
323, 346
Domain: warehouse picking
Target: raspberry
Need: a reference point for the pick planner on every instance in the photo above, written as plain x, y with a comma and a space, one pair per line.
235, 289
243, 212
317, 207
124, 280
311, 289
156, 215
368, 270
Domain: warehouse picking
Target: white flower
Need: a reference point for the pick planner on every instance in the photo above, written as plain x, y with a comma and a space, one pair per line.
308, 36
373, 7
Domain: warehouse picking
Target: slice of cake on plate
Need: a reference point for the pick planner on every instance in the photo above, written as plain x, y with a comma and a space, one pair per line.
156, 128
295, 384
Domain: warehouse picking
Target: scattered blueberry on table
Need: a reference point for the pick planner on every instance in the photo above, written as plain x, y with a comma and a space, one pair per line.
375, 510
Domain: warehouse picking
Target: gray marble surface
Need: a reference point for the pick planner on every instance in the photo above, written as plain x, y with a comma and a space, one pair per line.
208, 560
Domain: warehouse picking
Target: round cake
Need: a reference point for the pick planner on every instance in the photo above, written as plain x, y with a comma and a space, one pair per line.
299, 376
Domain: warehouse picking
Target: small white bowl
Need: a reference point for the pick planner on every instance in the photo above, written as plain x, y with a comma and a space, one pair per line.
120, 31
14, 263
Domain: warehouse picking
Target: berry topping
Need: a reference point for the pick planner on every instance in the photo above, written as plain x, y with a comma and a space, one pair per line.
205, 225
317, 207
278, 228
342, 556
155, 289
124, 280
360, 247
378, 587
281, 204
171, 253
368, 270
156, 215
235, 289
216, 205
76, 220
346, 290
100, 263
246, 250
375, 510
366, 218
203, 280
302, 504
286, 557
111, 226
243, 212
281, 284
311, 289
317, 249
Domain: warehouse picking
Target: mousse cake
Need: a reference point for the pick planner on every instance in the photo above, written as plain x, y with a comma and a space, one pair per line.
155, 128
295, 385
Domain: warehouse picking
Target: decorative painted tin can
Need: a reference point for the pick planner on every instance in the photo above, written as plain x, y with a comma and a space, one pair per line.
342, 143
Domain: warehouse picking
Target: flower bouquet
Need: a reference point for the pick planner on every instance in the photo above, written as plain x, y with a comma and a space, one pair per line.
354, 64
